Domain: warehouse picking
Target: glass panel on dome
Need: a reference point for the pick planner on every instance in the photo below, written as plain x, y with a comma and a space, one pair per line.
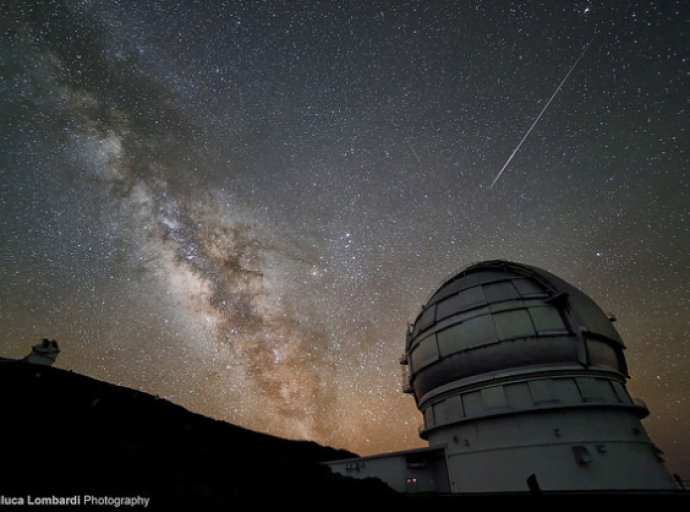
472, 403
500, 292
514, 324
470, 298
606, 390
596, 390
518, 396
527, 287
424, 353
479, 330
427, 319
542, 391
602, 353
475, 279
454, 410
448, 307
476, 331
621, 392
494, 397
547, 320
471, 333
439, 412
566, 390
428, 417
450, 340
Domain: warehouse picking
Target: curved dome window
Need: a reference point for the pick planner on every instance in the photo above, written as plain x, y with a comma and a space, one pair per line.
474, 332
514, 324
466, 299
528, 288
500, 292
602, 353
547, 320
426, 352
426, 320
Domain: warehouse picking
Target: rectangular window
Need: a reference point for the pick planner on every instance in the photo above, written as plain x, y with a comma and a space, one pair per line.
602, 353
450, 340
596, 390
621, 392
499, 292
479, 330
547, 320
428, 417
448, 307
427, 319
527, 287
472, 403
426, 352
566, 390
606, 390
470, 333
494, 397
469, 298
514, 324
439, 412
454, 410
542, 391
518, 396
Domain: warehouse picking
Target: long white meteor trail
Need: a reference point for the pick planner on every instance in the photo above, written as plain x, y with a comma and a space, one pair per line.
540, 114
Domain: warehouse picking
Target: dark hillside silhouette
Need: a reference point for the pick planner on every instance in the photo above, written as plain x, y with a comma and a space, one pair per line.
66, 434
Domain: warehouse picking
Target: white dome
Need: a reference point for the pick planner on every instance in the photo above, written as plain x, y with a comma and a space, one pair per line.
499, 315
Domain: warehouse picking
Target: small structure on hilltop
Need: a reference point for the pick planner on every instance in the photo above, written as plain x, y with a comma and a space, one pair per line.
44, 353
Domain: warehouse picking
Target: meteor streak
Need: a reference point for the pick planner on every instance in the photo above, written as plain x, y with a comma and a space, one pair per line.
540, 114
414, 153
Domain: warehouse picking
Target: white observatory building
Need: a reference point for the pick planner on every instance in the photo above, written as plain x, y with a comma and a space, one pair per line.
520, 378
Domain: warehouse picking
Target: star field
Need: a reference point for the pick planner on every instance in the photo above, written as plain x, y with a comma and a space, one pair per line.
240, 205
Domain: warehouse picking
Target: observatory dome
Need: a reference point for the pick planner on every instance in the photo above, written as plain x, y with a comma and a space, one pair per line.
521, 382
500, 316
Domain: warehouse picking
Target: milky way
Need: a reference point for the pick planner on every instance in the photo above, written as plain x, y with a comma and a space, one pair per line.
239, 206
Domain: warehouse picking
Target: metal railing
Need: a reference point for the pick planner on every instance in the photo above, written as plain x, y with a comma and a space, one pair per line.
405, 380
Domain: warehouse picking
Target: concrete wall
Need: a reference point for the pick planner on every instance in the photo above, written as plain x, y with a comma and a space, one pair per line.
402, 471
566, 449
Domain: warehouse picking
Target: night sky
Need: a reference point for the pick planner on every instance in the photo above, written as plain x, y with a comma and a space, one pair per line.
239, 206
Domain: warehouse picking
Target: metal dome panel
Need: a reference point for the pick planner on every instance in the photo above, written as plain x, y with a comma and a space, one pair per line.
500, 315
